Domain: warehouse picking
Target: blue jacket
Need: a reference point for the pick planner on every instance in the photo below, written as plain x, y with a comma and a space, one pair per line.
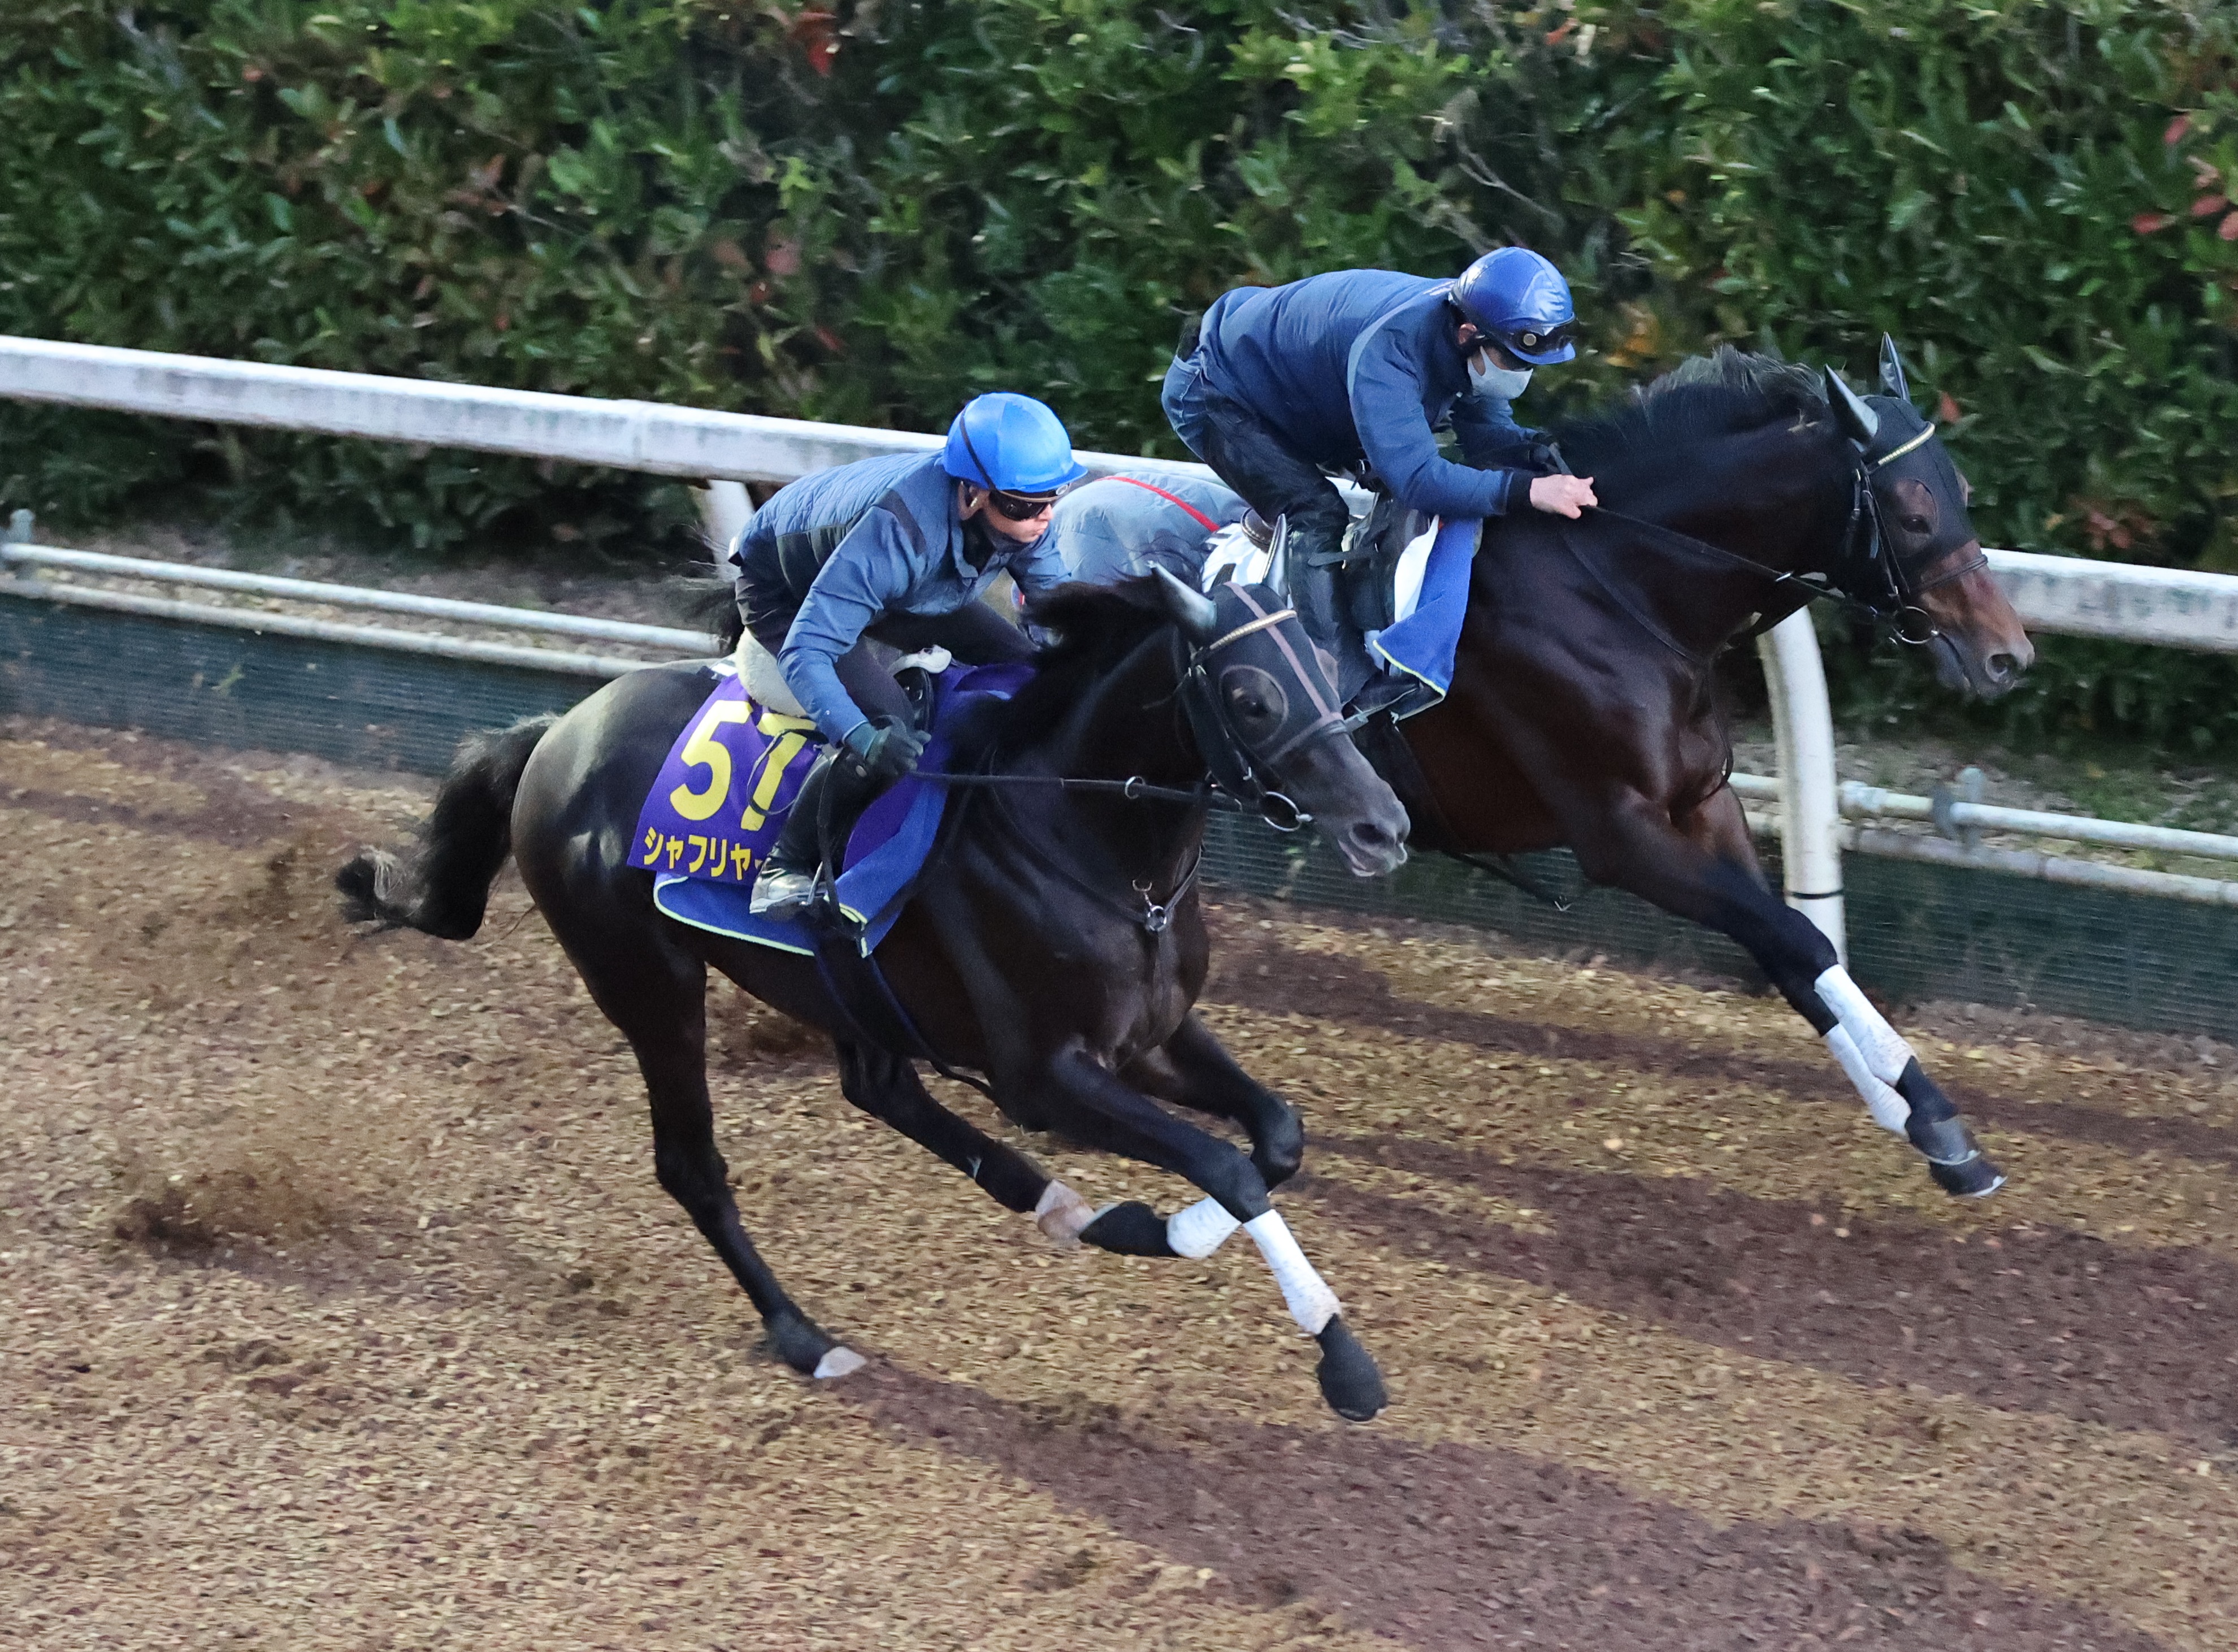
1359, 366
833, 553
1114, 528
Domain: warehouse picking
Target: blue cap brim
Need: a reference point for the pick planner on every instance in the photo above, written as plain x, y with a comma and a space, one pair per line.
1071, 476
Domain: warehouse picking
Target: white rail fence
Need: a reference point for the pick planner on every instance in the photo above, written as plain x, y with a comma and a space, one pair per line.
1818, 819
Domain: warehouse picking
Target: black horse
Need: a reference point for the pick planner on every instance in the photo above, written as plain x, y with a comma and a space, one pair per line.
1582, 711
1054, 942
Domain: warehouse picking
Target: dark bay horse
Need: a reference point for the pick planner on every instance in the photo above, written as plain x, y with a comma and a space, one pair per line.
1054, 942
1581, 710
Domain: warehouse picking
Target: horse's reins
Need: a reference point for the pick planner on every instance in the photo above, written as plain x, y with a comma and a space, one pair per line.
1901, 590
1243, 794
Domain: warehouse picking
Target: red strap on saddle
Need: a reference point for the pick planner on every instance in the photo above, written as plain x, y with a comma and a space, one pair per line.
1203, 520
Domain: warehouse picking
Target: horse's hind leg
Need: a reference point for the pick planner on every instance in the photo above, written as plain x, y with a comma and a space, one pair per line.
887, 1087
657, 994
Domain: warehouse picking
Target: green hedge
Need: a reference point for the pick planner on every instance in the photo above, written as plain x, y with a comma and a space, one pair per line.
870, 215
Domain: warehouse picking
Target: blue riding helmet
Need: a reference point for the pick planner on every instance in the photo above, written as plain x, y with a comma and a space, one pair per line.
1518, 298
1012, 444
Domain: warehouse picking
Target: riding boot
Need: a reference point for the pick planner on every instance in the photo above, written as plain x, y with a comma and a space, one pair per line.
1312, 578
837, 790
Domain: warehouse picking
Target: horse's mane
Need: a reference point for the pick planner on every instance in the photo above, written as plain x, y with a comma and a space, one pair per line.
1091, 628
1702, 398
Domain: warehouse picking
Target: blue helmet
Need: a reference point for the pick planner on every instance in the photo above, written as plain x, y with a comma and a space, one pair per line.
1518, 298
1010, 443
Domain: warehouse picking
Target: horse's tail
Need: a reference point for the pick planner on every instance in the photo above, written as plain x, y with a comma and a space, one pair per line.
441, 884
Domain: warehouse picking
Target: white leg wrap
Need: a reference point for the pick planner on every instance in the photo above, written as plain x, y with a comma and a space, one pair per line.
1062, 1213
1889, 1110
1201, 1229
1885, 1052
1312, 1303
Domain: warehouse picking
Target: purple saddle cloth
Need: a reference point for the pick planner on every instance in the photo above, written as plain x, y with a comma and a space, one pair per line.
715, 810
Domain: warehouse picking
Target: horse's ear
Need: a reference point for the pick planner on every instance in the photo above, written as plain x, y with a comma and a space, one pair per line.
1856, 421
1195, 614
1892, 370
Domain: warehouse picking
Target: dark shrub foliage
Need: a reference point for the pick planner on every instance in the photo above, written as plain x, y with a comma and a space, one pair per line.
870, 213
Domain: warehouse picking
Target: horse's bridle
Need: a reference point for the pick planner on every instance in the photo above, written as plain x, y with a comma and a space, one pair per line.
1232, 762
1865, 577
1893, 589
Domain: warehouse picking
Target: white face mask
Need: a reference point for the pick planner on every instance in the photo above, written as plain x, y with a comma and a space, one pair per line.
1504, 382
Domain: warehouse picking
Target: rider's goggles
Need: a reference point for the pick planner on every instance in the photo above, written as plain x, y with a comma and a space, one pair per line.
1020, 507
1545, 343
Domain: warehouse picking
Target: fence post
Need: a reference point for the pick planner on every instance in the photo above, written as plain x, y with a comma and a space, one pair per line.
1809, 810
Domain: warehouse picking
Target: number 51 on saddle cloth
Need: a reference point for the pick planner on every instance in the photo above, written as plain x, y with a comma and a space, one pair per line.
721, 797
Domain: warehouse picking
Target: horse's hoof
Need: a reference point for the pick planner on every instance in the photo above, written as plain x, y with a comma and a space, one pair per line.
1350, 1381
800, 1342
1973, 1178
842, 1361
1131, 1229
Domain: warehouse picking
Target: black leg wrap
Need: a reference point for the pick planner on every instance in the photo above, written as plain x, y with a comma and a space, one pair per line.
1958, 1165
1132, 1230
1350, 1383
1924, 1096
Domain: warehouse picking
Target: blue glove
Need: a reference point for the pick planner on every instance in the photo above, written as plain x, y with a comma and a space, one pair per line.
887, 751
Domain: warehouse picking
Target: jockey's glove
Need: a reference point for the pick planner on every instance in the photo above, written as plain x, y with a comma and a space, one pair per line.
886, 750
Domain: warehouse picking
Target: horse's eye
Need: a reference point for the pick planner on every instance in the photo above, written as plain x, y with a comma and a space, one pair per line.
1253, 696
1916, 523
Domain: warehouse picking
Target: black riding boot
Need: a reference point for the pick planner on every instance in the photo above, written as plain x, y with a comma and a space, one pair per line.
836, 793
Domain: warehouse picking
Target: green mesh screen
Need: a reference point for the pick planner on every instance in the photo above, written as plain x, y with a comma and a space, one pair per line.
1915, 932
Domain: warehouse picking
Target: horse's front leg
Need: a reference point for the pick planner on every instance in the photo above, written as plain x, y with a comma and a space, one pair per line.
1093, 1104
1192, 1069
1704, 867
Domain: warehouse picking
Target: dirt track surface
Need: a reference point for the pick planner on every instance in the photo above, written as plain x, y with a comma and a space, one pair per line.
339, 1307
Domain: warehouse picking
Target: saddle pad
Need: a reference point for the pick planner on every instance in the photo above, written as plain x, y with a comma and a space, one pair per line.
1431, 595
1230, 555
1422, 642
720, 799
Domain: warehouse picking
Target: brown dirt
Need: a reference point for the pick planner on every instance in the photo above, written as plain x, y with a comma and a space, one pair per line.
338, 1306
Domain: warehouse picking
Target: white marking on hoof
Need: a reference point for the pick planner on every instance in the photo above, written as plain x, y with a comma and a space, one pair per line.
839, 1361
1889, 1110
1886, 1053
1061, 1214
1201, 1229
1312, 1303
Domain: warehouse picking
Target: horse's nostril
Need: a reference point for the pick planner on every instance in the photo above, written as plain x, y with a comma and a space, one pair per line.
2002, 667
1369, 835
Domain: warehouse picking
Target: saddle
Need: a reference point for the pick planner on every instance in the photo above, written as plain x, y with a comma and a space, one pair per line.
1367, 566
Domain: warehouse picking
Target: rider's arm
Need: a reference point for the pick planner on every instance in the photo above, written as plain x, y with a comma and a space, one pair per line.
867, 573
1490, 439
1386, 408
1040, 566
